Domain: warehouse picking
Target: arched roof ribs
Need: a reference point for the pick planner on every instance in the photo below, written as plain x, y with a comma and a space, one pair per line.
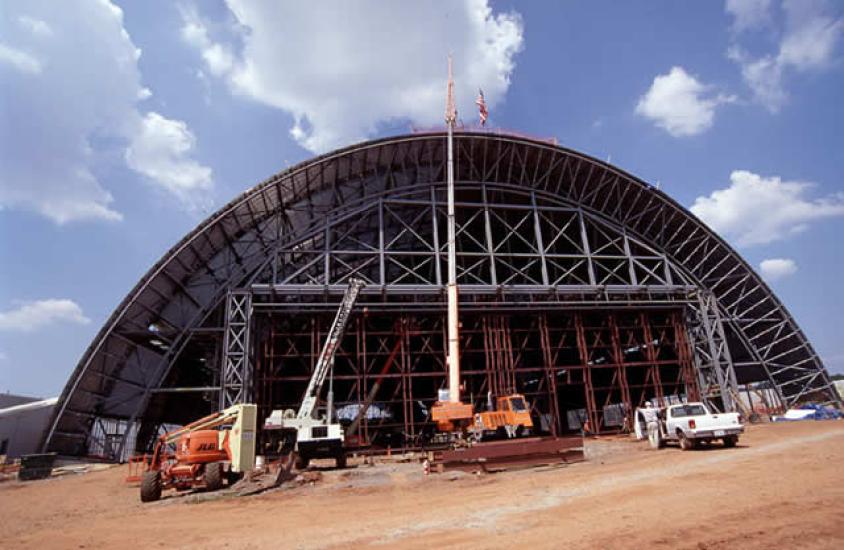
229, 248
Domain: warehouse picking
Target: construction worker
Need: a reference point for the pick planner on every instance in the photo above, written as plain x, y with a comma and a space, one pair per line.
586, 427
650, 413
644, 417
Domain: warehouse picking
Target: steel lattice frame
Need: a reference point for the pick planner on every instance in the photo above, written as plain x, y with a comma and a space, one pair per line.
539, 226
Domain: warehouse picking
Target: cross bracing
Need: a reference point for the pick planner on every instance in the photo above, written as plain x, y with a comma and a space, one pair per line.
537, 224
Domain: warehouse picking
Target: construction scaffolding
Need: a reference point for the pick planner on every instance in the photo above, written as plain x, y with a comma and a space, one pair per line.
599, 365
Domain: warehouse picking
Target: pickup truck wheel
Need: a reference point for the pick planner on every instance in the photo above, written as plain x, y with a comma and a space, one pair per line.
730, 441
685, 443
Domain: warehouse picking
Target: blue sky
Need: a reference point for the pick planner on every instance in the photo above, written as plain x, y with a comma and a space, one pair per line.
121, 129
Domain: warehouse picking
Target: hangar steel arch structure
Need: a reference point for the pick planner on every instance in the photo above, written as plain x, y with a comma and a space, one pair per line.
540, 227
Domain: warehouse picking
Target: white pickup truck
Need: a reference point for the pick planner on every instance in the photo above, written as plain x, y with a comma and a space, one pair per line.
691, 424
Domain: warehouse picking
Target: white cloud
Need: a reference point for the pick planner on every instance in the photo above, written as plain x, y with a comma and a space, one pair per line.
79, 105
35, 26
757, 210
681, 105
749, 14
342, 68
159, 151
34, 315
218, 57
776, 268
763, 76
808, 43
19, 60
811, 35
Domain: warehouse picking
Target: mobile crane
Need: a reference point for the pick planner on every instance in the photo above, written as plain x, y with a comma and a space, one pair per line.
311, 435
452, 415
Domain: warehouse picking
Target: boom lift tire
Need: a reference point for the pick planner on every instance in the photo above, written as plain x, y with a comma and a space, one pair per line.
151, 486
213, 476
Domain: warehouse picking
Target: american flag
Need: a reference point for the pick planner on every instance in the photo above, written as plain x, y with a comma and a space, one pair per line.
481, 103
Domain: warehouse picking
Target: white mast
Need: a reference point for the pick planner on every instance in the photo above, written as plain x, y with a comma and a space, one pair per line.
453, 328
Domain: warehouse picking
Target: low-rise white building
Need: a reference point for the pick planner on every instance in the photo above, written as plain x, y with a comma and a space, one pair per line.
22, 424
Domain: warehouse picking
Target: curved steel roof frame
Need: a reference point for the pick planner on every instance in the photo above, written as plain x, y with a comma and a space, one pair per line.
140, 342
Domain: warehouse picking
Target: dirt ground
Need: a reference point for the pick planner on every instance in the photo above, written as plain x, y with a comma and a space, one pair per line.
780, 488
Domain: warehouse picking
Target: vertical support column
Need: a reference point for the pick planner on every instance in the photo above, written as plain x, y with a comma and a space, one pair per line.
684, 357
550, 375
364, 382
381, 267
236, 379
509, 360
436, 236
407, 380
490, 247
651, 356
326, 277
621, 369
631, 269
583, 348
362, 366
540, 244
490, 366
587, 250
716, 372
271, 370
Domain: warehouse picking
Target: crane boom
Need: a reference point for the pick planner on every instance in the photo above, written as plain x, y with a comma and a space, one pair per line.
329, 349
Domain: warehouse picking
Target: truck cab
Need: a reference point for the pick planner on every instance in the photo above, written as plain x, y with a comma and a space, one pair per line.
511, 416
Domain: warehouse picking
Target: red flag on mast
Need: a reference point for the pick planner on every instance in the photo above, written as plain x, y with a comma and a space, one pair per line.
481, 103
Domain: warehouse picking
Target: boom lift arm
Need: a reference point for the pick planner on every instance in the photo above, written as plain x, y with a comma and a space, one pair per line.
214, 420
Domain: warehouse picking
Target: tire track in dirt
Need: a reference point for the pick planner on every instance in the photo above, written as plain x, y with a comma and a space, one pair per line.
498, 519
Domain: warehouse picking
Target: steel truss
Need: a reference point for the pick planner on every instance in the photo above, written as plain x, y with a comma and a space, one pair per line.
538, 225
236, 380
712, 354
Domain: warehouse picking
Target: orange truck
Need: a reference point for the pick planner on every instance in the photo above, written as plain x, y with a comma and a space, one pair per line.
511, 417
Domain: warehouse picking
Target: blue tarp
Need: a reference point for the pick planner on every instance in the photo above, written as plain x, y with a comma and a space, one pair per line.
823, 413
811, 412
